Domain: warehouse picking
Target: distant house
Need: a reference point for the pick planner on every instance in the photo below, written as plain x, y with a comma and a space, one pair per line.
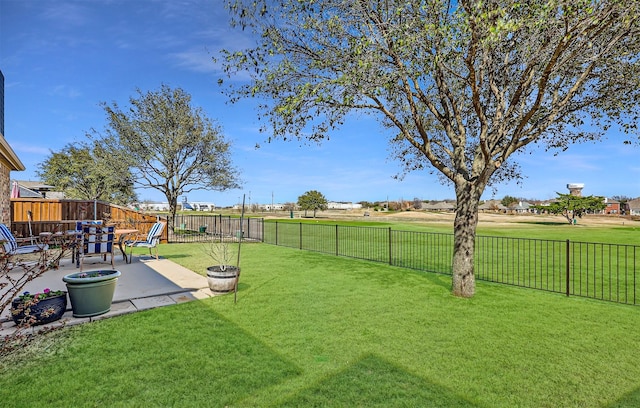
152, 206
523, 207
183, 206
333, 205
271, 207
634, 206
37, 189
492, 205
439, 206
612, 207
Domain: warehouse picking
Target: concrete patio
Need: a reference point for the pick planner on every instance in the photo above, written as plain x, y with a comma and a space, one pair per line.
145, 283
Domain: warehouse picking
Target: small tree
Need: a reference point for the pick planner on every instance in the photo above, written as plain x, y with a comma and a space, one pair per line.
312, 200
509, 201
169, 145
572, 207
88, 172
221, 251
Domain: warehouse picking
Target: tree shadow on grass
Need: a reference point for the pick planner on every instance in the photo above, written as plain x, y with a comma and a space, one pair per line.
183, 355
550, 223
631, 399
374, 382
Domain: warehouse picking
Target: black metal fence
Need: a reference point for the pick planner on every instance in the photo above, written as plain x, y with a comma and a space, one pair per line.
198, 228
594, 270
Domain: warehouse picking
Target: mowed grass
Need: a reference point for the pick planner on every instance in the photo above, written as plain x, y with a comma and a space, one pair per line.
318, 330
623, 232
601, 260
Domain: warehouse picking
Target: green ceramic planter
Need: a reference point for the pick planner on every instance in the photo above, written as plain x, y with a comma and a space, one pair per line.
91, 292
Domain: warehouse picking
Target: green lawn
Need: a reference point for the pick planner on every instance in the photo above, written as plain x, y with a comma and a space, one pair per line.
601, 261
318, 330
627, 232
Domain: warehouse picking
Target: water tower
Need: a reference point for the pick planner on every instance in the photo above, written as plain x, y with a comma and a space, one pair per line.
575, 189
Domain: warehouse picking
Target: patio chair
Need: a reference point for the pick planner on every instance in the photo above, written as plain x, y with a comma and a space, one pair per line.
12, 247
151, 241
96, 240
81, 223
75, 252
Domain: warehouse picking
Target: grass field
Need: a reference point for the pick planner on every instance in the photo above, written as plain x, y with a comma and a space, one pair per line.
608, 229
599, 261
317, 330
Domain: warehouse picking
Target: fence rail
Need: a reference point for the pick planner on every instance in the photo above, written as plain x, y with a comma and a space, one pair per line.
199, 228
50, 215
593, 270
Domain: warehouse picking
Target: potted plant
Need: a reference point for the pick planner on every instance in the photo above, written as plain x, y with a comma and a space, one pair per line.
38, 308
91, 292
222, 276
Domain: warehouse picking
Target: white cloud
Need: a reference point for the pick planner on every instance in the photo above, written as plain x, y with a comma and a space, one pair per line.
64, 91
29, 148
197, 60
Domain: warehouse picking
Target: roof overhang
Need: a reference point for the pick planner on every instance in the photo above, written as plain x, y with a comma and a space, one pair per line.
9, 157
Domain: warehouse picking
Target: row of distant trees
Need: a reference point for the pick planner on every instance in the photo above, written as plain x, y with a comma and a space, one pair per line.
570, 206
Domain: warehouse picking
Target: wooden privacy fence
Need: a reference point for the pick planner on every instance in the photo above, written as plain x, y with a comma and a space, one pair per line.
49, 215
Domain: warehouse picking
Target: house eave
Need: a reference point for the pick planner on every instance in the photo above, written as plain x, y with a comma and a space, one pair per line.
9, 156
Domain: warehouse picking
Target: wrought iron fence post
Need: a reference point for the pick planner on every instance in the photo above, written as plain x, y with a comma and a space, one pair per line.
300, 235
390, 248
337, 252
568, 269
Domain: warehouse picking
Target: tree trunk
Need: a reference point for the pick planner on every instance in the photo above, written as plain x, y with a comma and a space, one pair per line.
464, 235
173, 205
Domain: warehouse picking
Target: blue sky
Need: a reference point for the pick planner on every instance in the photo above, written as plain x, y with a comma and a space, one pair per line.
62, 58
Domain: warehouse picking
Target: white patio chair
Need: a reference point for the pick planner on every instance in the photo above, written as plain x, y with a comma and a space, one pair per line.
12, 247
151, 241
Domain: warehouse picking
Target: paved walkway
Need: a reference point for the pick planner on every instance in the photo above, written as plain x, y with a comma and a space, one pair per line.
145, 283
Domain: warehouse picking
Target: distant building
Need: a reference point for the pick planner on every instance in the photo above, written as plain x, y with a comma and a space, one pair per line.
334, 205
439, 206
37, 189
634, 206
575, 189
152, 206
523, 207
612, 207
271, 207
492, 205
182, 206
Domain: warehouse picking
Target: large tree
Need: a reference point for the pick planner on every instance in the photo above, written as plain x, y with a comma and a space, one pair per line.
170, 145
312, 200
573, 207
88, 171
462, 85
